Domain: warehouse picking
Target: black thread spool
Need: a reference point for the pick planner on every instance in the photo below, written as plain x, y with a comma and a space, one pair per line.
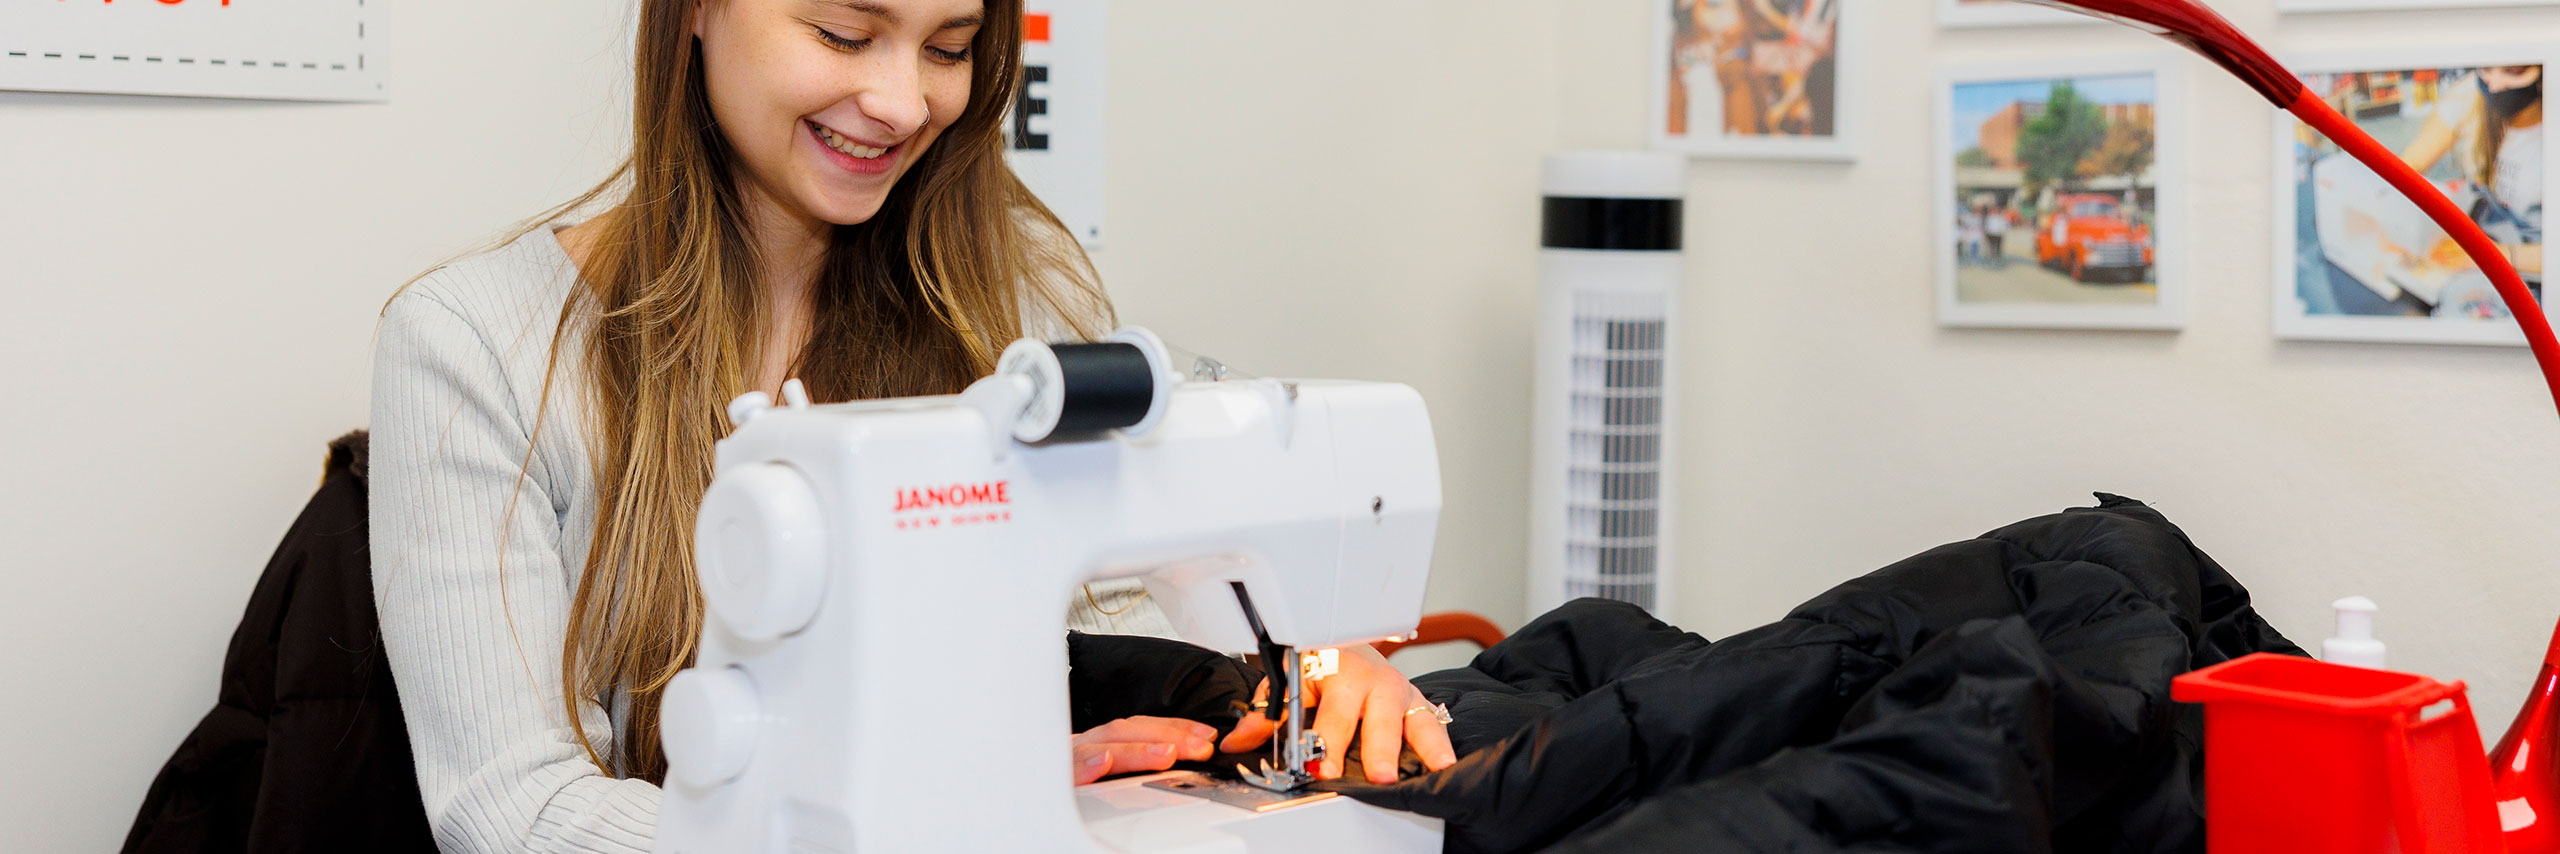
1107, 386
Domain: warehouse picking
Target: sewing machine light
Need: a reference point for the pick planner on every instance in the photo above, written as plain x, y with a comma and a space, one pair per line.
1321, 663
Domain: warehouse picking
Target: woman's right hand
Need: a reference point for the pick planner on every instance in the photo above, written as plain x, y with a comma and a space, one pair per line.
1135, 744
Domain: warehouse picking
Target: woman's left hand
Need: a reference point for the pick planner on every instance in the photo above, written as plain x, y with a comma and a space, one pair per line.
1365, 695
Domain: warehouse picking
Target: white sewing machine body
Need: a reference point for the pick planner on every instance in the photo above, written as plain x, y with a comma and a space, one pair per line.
882, 666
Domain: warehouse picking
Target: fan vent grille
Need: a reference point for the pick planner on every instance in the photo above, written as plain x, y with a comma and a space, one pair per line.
1613, 481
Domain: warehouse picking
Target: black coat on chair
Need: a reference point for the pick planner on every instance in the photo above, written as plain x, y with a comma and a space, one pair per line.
305, 749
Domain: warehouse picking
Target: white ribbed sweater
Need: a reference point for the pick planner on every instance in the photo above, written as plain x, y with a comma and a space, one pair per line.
474, 599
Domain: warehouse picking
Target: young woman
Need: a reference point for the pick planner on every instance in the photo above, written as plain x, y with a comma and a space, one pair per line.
815, 190
2491, 121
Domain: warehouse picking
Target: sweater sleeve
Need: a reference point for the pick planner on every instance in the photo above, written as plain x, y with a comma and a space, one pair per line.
474, 602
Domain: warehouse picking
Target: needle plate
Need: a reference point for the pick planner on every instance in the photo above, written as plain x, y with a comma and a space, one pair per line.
1234, 793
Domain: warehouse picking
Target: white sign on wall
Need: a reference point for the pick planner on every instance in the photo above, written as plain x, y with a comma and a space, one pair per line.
306, 50
1054, 136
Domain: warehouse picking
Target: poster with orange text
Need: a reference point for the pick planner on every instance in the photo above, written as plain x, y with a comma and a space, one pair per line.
1054, 136
301, 50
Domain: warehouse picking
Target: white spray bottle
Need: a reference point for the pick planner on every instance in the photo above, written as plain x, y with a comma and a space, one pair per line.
2354, 645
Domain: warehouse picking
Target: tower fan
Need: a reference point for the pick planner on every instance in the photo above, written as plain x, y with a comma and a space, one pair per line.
1609, 282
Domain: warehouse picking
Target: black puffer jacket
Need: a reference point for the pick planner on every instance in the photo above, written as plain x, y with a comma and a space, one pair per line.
304, 749
2006, 693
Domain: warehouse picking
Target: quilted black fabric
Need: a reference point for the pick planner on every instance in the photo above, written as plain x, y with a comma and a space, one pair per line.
2004, 693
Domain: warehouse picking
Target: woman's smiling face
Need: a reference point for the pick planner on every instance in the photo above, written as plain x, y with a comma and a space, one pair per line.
827, 103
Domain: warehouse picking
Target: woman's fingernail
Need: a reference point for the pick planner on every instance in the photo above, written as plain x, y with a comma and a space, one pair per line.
1195, 747
1159, 749
1096, 759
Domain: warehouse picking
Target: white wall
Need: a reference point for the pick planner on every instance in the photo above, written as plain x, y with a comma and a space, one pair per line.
1322, 187
1349, 189
1832, 427
190, 289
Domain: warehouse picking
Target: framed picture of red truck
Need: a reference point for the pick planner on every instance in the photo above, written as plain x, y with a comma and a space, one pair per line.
2051, 207
2354, 261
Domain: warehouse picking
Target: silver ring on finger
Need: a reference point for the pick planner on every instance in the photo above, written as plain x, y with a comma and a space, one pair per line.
1439, 711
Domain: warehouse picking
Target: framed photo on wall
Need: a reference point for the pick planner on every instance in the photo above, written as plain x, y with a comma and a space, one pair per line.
2356, 261
2059, 199
2373, 5
1754, 78
2003, 13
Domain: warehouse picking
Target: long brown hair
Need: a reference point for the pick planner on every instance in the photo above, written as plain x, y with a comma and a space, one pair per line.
916, 301
2493, 130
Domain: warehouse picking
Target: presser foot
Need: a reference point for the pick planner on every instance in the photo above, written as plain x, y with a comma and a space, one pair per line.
1298, 758
1282, 780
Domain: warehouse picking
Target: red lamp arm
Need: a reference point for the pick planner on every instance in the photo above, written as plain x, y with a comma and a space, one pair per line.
2202, 30
2189, 23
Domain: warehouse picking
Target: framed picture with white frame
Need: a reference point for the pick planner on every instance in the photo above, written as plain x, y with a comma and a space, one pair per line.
2059, 199
1725, 84
2004, 13
2356, 261
2378, 5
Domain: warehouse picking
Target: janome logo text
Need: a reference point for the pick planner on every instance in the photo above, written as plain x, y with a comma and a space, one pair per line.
956, 505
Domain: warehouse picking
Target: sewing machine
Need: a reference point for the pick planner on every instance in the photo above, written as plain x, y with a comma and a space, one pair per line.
882, 665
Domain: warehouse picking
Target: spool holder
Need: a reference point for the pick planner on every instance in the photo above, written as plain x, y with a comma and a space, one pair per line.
1042, 392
